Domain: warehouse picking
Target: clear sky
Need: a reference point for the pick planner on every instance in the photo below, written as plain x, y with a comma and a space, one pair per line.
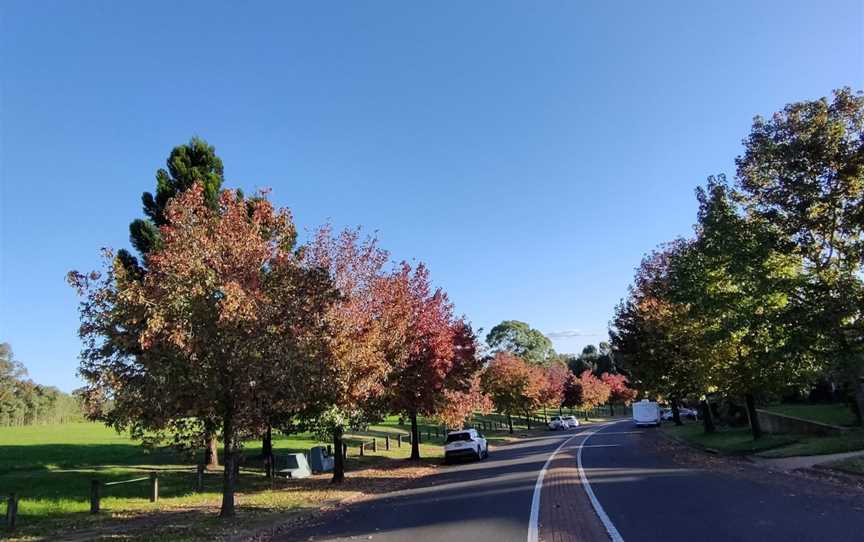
529, 152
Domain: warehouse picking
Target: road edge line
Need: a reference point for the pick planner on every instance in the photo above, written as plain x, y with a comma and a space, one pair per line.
534, 517
613, 533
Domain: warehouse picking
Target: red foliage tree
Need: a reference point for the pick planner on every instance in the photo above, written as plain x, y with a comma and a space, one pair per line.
224, 322
513, 385
462, 392
594, 392
619, 390
553, 390
362, 327
425, 359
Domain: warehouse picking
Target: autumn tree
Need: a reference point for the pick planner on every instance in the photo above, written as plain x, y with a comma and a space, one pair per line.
592, 391
211, 332
521, 340
553, 389
463, 394
656, 336
513, 385
619, 390
430, 361
187, 164
367, 326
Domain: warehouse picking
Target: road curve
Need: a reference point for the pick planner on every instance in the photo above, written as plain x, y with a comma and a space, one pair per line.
655, 490
486, 501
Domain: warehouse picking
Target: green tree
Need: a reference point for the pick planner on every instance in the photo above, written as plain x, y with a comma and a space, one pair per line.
193, 162
655, 338
745, 291
521, 340
803, 171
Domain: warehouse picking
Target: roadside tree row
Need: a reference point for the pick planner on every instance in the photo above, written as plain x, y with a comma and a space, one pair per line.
765, 299
224, 327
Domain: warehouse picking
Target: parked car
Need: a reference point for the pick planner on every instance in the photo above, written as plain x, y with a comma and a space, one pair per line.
688, 413
465, 443
562, 422
646, 412
571, 421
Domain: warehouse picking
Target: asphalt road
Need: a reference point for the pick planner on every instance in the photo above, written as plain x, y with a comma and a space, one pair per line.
649, 488
652, 493
485, 501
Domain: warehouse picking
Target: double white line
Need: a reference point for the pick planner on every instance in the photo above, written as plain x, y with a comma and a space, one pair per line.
533, 520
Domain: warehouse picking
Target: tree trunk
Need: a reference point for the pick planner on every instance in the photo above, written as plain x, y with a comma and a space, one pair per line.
338, 458
560, 410
415, 438
267, 450
708, 417
510, 422
211, 452
858, 401
545, 418
527, 419
611, 410
676, 414
227, 510
755, 428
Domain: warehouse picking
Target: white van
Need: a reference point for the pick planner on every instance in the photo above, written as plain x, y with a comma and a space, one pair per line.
646, 412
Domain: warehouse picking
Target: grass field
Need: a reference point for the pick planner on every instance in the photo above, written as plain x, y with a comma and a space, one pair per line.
51, 468
832, 414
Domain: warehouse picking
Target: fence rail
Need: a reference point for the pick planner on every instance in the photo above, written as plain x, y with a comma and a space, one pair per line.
96, 485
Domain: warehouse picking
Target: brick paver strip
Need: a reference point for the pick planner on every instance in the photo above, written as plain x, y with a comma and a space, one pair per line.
566, 514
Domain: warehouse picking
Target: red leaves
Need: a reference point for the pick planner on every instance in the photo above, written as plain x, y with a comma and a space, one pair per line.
619, 391
513, 384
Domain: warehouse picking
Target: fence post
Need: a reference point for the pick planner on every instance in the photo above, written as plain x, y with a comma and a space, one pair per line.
387, 442
374, 444
94, 496
199, 479
154, 487
11, 511
399, 440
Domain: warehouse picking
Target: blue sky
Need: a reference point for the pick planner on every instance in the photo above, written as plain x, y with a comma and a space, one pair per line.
530, 153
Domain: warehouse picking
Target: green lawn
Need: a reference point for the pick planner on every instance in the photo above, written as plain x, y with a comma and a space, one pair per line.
50, 467
732, 441
832, 414
813, 445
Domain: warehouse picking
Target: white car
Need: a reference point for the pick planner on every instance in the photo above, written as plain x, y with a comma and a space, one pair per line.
572, 421
465, 443
562, 422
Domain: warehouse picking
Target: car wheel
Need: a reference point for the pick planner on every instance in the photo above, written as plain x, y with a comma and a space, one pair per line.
479, 456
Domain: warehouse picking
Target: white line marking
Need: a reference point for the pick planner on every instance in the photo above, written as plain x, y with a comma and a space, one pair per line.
604, 518
533, 531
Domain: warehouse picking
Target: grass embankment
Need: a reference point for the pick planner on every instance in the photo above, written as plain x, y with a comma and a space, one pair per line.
832, 414
739, 441
727, 441
51, 467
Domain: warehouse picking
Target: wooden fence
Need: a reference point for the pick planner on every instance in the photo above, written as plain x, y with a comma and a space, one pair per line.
96, 489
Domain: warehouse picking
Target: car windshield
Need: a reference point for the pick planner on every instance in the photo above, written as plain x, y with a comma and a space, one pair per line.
456, 437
